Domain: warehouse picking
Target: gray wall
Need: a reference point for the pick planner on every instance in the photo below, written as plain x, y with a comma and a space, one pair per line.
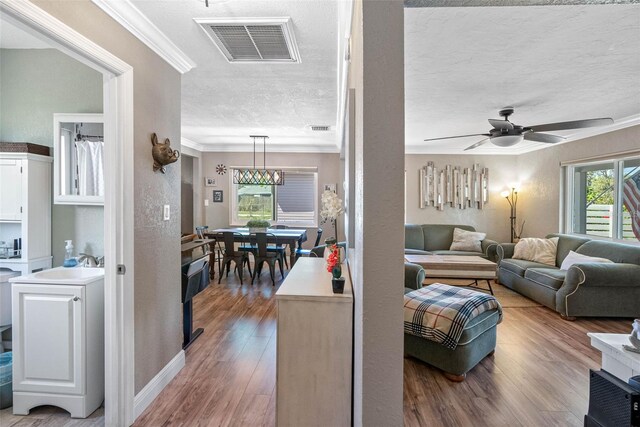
186, 194
217, 214
539, 173
377, 73
493, 219
156, 86
35, 84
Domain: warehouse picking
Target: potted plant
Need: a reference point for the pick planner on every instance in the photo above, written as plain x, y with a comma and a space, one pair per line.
258, 225
334, 266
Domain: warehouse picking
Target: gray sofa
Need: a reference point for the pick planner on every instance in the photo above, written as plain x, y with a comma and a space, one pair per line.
586, 289
436, 239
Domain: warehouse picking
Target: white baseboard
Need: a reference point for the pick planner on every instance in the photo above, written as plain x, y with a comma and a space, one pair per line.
157, 384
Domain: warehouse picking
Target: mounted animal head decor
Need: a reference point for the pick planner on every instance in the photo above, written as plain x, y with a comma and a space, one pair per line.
162, 153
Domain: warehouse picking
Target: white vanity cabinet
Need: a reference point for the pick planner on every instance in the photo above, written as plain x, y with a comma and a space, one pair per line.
58, 343
11, 189
25, 207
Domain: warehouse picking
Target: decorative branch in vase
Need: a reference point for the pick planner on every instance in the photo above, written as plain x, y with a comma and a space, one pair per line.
331, 209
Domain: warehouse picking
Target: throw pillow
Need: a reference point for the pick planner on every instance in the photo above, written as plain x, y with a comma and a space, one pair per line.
464, 240
538, 250
575, 258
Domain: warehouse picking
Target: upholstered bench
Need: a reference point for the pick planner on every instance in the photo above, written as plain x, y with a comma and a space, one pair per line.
476, 341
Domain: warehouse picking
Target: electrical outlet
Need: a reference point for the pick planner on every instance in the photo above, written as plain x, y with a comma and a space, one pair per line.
206, 202
167, 212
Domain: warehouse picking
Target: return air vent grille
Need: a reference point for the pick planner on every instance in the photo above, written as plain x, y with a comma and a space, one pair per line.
251, 40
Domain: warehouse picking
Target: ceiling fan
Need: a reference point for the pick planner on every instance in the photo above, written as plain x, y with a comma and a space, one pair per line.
505, 134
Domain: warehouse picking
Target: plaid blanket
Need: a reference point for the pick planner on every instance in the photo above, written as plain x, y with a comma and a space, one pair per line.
440, 312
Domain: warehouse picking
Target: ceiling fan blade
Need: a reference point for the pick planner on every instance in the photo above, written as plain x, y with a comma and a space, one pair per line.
458, 136
576, 124
477, 144
501, 124
543, 137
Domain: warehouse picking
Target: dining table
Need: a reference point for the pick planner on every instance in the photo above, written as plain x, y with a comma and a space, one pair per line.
294, 237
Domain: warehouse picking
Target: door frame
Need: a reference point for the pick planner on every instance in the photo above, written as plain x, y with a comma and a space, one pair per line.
119, 190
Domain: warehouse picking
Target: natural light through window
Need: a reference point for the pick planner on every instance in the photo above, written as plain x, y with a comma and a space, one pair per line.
604, 199
295, 203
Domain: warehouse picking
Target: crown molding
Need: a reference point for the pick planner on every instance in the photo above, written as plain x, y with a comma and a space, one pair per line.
248, 148
184, 142
130, 17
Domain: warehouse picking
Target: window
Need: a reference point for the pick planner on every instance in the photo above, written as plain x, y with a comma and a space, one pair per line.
295, 203
603, 199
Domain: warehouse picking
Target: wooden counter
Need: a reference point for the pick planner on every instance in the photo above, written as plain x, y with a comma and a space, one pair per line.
314, 348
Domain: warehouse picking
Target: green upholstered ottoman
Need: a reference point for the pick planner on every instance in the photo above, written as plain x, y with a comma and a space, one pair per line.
477, 340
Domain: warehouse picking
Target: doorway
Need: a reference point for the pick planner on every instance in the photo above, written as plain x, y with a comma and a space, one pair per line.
118, 204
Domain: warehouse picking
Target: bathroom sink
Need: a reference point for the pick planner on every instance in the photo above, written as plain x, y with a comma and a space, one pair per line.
63, 275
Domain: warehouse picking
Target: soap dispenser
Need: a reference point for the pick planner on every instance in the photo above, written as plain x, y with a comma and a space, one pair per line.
69, 260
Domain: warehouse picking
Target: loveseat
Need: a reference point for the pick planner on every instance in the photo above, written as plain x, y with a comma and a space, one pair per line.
584, 289
436, 239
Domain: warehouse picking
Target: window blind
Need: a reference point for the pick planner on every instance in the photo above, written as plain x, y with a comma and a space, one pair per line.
296, 199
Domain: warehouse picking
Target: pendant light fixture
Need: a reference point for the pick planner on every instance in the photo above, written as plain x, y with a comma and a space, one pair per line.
256, 176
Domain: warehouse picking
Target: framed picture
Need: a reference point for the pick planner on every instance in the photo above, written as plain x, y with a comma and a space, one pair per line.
330, 187
217, 196
210, 182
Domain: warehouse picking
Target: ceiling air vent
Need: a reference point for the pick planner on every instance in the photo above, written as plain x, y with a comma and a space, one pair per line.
320, 128
252, 39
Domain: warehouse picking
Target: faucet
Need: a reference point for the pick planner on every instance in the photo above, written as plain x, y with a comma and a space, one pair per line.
90, 261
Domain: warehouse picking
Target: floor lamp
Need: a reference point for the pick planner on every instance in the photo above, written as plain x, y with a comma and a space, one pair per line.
512, 198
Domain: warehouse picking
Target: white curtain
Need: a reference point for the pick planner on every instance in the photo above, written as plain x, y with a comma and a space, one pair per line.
90, 167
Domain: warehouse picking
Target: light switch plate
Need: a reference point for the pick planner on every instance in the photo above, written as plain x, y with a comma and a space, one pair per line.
167, 212
206, 202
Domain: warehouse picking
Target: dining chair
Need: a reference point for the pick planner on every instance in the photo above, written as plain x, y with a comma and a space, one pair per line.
280, 248
262, 255
229, 253
318, 251
305, 252
202, 231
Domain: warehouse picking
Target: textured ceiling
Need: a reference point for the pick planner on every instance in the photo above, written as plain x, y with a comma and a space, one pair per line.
552, 63
223, 103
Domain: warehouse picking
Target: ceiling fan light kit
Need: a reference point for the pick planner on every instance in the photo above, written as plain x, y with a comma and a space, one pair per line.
506, 134
506, 140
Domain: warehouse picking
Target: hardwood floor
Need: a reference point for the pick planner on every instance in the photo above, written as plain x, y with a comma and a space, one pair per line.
538, 375
229, 377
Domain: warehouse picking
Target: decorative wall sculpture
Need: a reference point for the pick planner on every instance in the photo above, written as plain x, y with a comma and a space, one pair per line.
453, 186
162, 153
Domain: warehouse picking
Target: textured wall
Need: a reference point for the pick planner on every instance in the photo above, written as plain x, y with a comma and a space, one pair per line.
35, 84
539, 173
186, 194
493, 219
377, 71
217, 214
158, 312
